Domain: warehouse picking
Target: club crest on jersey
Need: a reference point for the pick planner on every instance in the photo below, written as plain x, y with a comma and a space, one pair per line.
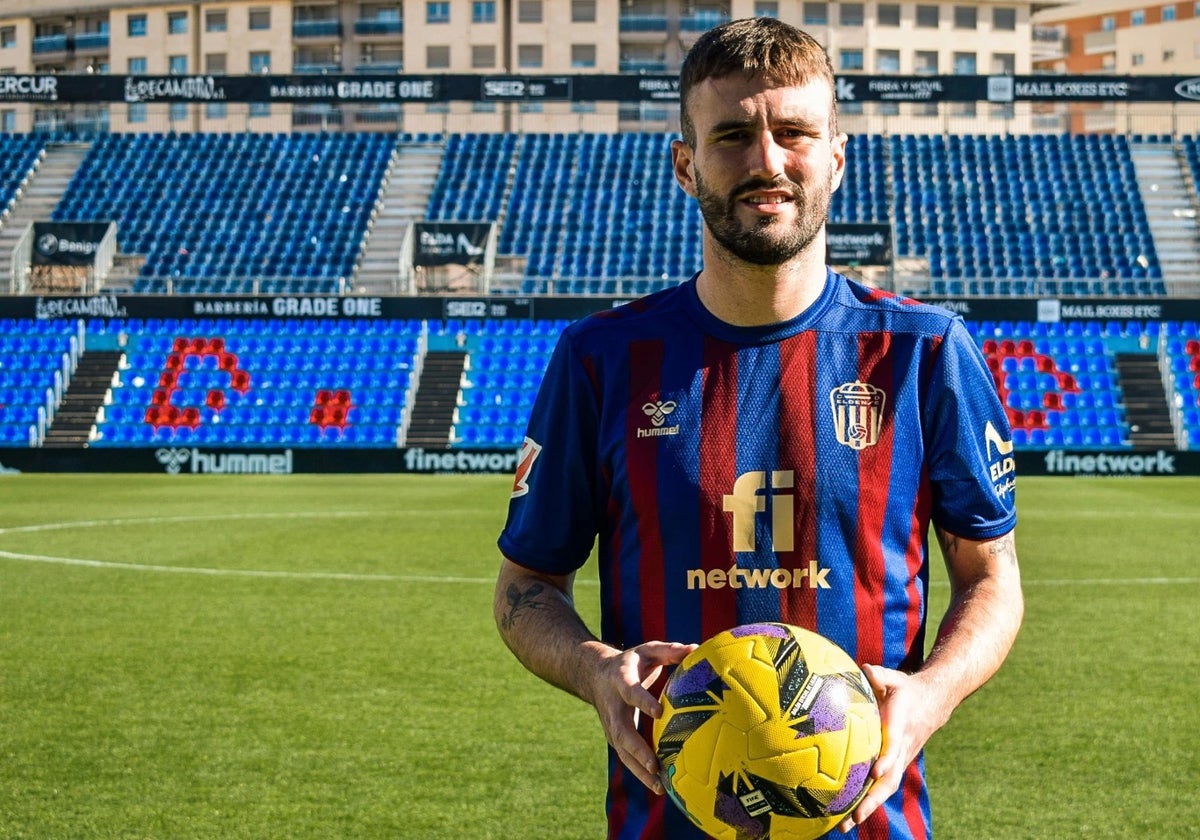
857, 413
525, 458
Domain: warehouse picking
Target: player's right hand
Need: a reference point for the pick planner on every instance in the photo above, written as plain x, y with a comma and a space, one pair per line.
619, 694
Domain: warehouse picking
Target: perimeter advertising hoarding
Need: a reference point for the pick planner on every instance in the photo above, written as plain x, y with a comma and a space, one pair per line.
185, 460
594, 87
498, 307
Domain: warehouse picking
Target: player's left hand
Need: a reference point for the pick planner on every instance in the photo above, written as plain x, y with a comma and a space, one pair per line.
911, 712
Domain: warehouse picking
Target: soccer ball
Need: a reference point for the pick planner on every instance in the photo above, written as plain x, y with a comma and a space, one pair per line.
768, 731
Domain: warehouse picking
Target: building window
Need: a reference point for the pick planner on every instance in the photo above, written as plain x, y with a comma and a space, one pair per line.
1004, 19
583, 11
216, 20
483, 56
137, 65
1004, 64
8, 120
1168, 14
483, 11
1138, 59
1168, 56
927, 17
925, 62
259, 109
437, 56
8, 39
851, 14
1137, 17
966, 17
216, 110
964, 64
529, 11
888, 14
816, 14
437, 12
260, 62
215, 64
1108, 23
177, 65
529, 56
137, 26
766, 8
137, 112
177, 23
260, 19
178, 112
887, 61
583, 55
850, 60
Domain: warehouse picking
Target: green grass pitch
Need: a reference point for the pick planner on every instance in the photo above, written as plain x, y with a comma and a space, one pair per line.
314, 657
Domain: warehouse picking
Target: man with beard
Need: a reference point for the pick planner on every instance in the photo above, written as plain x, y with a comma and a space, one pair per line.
768, 441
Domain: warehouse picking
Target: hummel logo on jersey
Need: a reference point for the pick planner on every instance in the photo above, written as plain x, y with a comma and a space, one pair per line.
525, 458
658, 411
857, 413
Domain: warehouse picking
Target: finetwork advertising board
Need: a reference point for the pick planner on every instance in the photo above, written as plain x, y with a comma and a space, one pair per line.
189, 460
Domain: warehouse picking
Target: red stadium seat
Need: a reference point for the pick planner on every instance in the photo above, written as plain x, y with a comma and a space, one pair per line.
215, 399
227, 361
241, 381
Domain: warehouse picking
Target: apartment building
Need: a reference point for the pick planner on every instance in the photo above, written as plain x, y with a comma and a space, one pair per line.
491, 37
1123, 38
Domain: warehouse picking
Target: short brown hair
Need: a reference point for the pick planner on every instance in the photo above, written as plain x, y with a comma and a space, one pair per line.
763, 48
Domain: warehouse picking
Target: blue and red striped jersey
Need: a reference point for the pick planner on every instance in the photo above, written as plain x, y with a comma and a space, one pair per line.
743, 474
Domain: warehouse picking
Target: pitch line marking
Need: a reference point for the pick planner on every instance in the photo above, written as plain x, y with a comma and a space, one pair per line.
356, 576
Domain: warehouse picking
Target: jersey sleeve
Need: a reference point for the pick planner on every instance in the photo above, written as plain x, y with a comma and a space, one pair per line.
552, 516
970, 461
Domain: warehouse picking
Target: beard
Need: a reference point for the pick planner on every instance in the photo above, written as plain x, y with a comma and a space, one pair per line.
769, 240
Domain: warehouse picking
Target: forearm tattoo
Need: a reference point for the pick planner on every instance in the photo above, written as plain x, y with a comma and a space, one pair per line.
521, 601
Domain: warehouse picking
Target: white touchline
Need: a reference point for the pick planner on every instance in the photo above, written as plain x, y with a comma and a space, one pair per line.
355, 576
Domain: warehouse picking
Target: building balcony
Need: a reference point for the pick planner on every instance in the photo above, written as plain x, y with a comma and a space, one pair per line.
91, 42
316, 68
643, 23
379, 67
50, 44
376, 26
1098, 43
317, 29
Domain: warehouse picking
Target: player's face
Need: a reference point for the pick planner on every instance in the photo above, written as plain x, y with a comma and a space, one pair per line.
764, 166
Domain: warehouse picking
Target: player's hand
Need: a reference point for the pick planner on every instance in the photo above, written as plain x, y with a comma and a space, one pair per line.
910, 713
619, 693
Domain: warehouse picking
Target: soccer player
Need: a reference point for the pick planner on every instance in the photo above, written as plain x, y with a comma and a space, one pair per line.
768, 441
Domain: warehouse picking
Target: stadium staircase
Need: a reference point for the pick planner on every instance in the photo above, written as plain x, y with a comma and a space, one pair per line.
40, 195
435, 400
1146, 408
402, 200
75, 418
1170, 210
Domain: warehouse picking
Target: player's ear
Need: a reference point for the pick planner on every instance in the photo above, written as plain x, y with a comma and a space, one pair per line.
683, 165
837, 158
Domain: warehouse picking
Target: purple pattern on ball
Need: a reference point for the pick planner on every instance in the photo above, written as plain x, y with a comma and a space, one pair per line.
855, 779
772, 630
729, 810
825, 716
694, 680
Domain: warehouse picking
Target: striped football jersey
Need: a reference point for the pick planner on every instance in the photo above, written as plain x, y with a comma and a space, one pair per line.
745, 474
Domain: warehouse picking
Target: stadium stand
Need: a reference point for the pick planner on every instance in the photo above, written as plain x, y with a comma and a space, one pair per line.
350, 383
19, 154
214, 212
1008, 215
250, 382
991, 214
